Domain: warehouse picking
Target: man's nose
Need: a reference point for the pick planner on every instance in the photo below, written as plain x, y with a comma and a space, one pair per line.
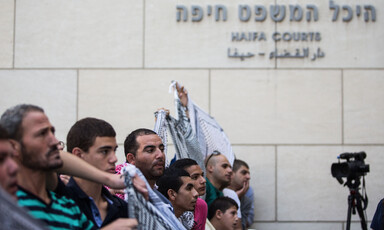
12, 167
159, 154
248, 176
195, 193
53, 140
113, 158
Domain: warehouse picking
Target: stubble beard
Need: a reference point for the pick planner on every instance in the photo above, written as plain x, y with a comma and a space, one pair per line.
29, 160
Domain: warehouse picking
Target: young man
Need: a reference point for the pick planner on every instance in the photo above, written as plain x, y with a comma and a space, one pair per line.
37, 155
197, 176
222, 214
94, 141
177, 186
240, 184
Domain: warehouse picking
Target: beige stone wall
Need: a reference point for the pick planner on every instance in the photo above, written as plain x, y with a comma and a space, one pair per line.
287, 117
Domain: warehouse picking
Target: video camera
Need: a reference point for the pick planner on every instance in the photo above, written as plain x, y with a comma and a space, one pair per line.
352, 169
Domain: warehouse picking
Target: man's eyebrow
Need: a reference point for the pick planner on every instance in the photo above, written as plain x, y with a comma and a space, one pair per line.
149, 146
106, 147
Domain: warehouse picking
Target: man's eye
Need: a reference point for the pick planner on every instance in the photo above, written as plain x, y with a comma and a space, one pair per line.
104, 151
2, 159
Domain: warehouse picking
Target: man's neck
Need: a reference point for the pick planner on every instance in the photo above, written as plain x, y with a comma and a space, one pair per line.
215, 183
178, 212
90, 188
234, 188
34, 181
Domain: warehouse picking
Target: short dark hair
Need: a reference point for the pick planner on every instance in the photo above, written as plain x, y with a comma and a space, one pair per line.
183, 163
130, 143
12, 119
171, 179
221, 203
3, 134
238, 163
84, 132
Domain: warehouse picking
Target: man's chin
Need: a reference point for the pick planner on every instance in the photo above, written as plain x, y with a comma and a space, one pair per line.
55, 165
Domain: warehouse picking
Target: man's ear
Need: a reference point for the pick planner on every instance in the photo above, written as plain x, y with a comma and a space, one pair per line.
16, 147
219, 214
171, 194
209, 168
78, 152
131, 158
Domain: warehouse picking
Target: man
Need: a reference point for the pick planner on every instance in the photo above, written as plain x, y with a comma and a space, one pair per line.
219, 174
240, 184
144, 149
197, 176
94, 141
37, 155
12, 216
8, 167
177, 186
222, 214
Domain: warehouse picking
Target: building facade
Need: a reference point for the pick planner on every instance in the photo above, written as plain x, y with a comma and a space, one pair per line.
293, 83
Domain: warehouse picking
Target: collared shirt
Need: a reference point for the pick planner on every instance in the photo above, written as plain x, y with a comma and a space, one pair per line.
116, 208
211, 193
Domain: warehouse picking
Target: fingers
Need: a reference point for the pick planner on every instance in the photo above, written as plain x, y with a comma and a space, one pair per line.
140, 186
65, 178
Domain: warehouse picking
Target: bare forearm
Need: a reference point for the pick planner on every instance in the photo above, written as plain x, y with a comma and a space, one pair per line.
75, 166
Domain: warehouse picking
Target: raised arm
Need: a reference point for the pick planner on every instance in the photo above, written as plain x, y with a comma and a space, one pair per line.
77, 167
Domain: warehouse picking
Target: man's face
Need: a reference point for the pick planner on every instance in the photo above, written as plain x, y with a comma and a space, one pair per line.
240, 176
229, 218
150, 157
39, 146
185, 198
102, 154
222, 170
8, 168
197, 176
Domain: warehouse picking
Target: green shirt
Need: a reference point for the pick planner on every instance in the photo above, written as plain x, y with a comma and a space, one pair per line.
61, 213
211, 193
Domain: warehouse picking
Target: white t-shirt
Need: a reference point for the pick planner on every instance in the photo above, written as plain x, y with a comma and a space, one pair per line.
232, 194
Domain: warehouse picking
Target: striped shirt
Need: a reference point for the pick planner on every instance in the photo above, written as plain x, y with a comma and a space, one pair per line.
60, 213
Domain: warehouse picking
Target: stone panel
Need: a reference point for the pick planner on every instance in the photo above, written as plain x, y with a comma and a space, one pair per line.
353, 44
6, 33
306, 190
270, 106
261, 160
363, 106
79, 33
128, 98
55, 91
169, 43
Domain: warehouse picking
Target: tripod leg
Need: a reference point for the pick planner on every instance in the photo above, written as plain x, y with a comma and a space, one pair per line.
361, 212
350, 203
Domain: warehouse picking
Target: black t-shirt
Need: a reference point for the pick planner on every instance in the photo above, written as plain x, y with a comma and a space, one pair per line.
118, 208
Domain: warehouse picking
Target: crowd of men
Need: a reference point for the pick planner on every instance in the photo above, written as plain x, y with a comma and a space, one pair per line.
32, 160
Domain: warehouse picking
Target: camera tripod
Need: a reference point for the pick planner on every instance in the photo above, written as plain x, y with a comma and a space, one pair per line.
355, 200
